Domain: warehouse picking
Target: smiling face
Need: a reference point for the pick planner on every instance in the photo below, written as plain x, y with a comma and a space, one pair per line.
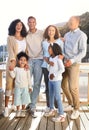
22, 62
32, 23
51, 32
19, 27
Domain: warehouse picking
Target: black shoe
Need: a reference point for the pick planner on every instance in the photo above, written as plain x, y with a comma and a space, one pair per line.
28, 107
33, 114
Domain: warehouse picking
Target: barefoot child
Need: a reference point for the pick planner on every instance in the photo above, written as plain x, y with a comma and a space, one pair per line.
55, 77
22, 84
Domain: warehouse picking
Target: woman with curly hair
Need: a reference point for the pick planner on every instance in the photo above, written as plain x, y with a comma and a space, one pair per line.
16, 43
51, 35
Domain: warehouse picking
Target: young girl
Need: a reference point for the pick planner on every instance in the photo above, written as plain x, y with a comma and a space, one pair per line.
55, 77
22, 84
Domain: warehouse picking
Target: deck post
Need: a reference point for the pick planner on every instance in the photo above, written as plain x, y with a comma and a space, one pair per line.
0, 78
88, 87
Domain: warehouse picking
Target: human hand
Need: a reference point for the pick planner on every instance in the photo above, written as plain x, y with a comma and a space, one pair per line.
61, 57
30, 89
52, 76
46, 59
11, 68
62, 38
51, 63
12, 65
68, 63
26, 67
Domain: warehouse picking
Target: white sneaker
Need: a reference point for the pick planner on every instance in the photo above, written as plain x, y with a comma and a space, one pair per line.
13, 107
18, 114
23, 113
75, 114
68, 108
6, 113
47, 109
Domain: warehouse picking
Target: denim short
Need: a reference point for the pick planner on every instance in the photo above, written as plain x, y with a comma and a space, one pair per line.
21, 96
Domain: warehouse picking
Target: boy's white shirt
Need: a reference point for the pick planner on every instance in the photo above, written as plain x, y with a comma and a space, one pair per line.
22, 77
57, 69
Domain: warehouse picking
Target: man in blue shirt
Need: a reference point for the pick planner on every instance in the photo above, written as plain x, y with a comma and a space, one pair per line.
74, 50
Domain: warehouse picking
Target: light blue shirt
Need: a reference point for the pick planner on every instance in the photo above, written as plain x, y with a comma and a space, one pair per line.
45, 45
75, 45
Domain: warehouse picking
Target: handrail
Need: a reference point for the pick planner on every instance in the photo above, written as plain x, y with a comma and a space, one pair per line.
2, 62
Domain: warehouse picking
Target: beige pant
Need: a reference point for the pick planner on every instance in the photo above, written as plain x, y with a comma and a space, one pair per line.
9, 84
70, 85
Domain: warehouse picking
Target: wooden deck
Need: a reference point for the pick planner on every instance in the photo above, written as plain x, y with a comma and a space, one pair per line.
44, 123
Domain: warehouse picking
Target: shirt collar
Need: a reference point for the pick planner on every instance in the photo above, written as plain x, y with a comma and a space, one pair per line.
75, 30
31, 32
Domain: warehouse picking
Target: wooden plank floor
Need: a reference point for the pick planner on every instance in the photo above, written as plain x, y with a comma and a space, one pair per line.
44, 123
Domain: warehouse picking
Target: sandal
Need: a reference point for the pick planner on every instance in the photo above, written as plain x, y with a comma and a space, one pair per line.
50, 113
60, 118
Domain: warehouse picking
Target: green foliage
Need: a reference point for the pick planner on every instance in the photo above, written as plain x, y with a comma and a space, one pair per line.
1, 59
84, 25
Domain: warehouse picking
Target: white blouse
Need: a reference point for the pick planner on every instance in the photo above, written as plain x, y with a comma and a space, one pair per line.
21, 45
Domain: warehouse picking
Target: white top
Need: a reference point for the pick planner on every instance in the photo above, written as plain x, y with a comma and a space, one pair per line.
22, 77
57, 69
21, 45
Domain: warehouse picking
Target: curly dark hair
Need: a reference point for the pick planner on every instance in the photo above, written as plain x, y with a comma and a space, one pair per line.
46, 36
56, 49
12, 26
22, 54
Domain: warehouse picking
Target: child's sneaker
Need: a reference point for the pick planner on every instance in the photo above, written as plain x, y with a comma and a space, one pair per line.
23, 114
50, 113
6, 112
18, 114
60, 118
13, 107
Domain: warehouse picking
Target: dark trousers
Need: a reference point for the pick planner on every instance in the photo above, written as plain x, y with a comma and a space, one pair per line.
46, 80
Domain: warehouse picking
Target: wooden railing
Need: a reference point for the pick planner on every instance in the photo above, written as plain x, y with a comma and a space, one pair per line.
84, 69
1, 71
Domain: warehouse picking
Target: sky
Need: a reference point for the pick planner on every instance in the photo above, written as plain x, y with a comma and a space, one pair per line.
46, 12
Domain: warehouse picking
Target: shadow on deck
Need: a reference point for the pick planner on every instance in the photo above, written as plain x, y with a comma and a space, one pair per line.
44, 123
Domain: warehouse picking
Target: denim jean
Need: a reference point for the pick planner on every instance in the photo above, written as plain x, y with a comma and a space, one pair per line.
55, 93
46, 80
36, 72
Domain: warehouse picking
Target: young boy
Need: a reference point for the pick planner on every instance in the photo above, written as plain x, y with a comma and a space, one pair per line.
22, 84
